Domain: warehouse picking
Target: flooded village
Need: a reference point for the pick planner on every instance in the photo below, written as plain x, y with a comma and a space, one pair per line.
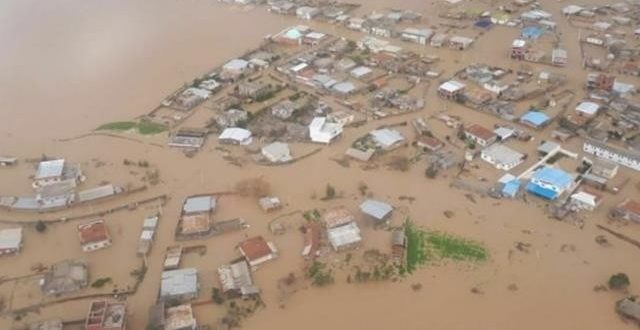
263, 164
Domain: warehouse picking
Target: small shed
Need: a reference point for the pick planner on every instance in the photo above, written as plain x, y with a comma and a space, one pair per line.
377, 210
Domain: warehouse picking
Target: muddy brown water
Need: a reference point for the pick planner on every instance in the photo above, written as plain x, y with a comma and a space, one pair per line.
69, 66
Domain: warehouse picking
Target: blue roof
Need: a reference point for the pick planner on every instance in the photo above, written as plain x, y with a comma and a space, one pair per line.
511, 188
542, 192
536, 118
532, 32
553, 176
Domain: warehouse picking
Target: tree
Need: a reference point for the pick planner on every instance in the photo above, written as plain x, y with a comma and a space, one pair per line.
330, 192
432, 171
619, 281
253, 187
41, 227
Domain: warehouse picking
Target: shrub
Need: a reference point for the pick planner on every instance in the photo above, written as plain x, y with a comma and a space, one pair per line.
41, 226
99, 283
330, 192
619, 281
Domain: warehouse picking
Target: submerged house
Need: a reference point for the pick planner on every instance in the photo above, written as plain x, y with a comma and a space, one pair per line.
322, 131
196, 217
627, 210
236, 279
65, 277
10, 241
188, 138
235, 135
586, 199
480, 135
501, 156
628, 158
257, 251
342, 231
277, 152
55, 171
94, 236
377, 210
179, 318
451, 89
106, 315
387, 139
179, 284
535, 119
549, 183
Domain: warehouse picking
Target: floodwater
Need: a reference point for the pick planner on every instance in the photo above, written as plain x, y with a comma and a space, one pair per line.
68, 66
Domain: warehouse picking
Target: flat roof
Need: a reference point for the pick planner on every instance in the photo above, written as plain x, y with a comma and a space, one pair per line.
452, 86
179, 282
376, 208
386, 137
502, 154
199, 204
49, 169
10, 238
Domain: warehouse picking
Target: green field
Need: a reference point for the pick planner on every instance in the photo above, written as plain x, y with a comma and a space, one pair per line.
143, 127
425, 246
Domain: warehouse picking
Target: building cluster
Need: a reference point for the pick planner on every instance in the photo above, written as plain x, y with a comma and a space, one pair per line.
56, 186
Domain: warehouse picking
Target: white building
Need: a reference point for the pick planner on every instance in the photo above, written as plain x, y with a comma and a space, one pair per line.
307, 13
322, 131
345, 236
418, 36
620, 156
51, 172
501, 156
236, 135
10, 241
586, 200
387, 138
236, 66
277, 152
588, 109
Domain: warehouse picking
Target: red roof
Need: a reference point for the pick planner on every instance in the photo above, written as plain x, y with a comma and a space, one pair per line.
631, 206
480, 132
429, 142
93, 232
255, 248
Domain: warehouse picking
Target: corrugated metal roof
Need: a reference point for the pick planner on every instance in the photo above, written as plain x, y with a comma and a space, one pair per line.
97, 193
375, 208
51, 168
199, 204
179, 282
344, 235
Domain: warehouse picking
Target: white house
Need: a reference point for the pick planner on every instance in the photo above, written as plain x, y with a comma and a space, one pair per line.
236, 135
586, 200
322, 131
307, 13
501, 156
10, 241
587, 109
277, 152
419, 36
236, 66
